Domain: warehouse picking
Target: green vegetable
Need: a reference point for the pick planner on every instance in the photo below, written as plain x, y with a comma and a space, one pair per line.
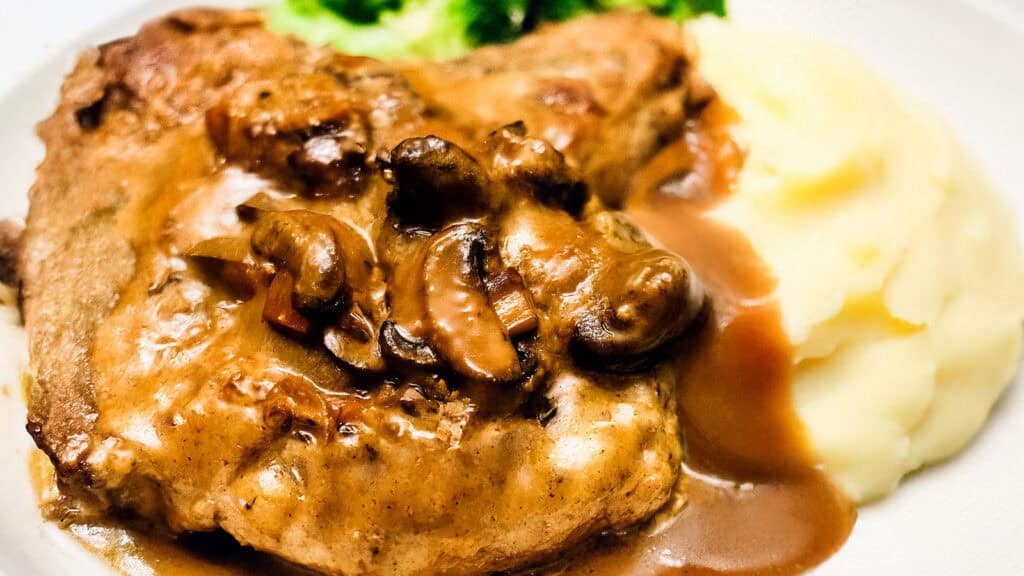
674, 9
492, 21
446, 28
558, 11
361, 11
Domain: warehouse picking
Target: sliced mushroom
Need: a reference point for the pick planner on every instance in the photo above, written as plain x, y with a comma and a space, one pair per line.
513, 303
307, 245
398, 345
354, 341
226, 248
336, 156
259, 203
358, 254
435, 180
538, 167
644, 304
464, 327
230, 259
278, 309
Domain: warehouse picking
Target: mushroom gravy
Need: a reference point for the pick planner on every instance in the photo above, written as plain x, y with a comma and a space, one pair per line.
750, 500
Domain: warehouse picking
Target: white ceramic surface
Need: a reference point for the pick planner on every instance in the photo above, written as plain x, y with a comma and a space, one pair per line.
965, 58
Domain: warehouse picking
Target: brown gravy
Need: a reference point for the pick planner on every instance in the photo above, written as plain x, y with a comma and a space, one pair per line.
753, 501
755, 505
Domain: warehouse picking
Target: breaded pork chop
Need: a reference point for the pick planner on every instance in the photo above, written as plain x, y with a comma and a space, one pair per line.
273, 290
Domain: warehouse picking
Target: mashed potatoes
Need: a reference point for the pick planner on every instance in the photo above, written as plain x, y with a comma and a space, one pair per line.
900, 274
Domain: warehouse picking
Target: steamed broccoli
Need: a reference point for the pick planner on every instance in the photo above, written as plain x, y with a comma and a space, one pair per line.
539, 12
674, 9
412, 29
361, 11
446, 28
491, 21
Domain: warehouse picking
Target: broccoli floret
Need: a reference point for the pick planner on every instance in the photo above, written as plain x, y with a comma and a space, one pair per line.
493, 21
693, 8
674, 9
558, 11
429, 28
445, 28
361, 11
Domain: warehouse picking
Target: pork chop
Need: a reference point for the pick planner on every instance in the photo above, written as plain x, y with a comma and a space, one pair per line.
283, 292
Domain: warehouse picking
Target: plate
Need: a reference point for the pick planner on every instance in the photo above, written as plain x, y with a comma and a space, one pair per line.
960, 57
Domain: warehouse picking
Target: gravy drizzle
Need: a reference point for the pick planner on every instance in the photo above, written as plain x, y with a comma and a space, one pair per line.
754, 502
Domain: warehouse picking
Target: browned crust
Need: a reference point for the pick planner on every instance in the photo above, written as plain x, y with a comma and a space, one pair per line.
71, 237
63, 246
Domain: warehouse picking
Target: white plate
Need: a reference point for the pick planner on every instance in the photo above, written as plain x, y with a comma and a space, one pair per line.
964, 58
